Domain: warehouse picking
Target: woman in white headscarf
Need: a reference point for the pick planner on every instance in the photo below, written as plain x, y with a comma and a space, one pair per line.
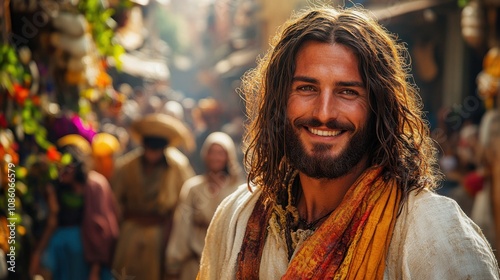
199, 199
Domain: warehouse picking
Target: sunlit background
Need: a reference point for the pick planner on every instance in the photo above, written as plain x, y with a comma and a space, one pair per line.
93, 66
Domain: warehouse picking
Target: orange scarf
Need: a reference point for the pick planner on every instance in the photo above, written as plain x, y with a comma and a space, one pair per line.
353, 242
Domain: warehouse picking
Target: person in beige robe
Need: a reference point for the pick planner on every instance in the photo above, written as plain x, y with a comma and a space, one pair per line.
147, 185
485, 211
198, 201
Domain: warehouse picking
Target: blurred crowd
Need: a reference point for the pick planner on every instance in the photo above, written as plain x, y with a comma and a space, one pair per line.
134, 197
469, 160
130, 188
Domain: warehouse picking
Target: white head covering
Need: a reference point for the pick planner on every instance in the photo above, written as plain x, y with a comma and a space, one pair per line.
174, 109
226, 142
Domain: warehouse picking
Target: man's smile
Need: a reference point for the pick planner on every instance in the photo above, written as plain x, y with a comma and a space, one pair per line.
327, 133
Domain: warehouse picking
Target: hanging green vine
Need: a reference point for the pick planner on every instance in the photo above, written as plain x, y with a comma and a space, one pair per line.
101, 24
11, 70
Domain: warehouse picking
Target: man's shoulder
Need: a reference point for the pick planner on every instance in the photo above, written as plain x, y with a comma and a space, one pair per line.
429, 201
129, 157
195, 182
97, 185
172, 153
241, 198
429, 211
433, 236
236, 208
96, 178
226, 233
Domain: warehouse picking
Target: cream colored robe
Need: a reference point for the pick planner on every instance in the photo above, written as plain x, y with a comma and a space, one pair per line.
140, 249
485, 211
191, 220
433, 239
195, 210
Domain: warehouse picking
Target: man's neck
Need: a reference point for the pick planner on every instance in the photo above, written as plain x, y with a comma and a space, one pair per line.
321, 196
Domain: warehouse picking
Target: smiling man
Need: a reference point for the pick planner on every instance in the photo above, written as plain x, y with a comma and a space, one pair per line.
341, 167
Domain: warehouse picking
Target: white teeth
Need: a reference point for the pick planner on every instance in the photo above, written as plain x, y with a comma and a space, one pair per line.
325, 132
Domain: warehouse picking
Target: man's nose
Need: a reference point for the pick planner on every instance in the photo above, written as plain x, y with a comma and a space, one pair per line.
325, 107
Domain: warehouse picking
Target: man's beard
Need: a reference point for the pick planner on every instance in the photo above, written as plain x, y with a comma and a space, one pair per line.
320, 164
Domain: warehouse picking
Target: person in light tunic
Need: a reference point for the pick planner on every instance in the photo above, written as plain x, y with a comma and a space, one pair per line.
199, 198
341, 167
147, 184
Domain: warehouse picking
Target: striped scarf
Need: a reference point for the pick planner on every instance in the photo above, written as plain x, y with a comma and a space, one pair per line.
351, 244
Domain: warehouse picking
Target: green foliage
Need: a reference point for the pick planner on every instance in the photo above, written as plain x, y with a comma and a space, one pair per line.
100, 21
66, 159
463, 3
32, 124
125, 4
53, 173
11, 69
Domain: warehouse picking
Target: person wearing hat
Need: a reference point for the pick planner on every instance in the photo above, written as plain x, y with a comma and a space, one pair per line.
147, 182
81, 231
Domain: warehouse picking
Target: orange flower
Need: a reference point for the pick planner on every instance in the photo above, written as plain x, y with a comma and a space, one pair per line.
10, 153
20, 93
36, 100
104, 64
53, 154
14, 155
103, 80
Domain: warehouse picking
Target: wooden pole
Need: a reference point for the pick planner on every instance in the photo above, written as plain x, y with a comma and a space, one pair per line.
6, 23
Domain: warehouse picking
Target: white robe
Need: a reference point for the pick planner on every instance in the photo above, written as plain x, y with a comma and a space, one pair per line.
432, 239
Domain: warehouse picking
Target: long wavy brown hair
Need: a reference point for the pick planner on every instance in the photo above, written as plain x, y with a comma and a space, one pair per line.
403, 146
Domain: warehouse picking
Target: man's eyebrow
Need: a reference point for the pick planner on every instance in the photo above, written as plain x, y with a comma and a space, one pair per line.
339, 84
304, 79
350, 84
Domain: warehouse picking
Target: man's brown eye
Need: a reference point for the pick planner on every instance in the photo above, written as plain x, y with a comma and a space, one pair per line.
306, 88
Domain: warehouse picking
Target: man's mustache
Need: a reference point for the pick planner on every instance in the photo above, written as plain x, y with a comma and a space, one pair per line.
331, 124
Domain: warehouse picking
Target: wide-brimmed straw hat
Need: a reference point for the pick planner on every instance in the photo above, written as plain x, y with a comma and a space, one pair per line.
75, 140
163, 126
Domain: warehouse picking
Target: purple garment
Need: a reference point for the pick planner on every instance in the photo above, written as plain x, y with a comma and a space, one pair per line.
86, 131
71, 125
100, 223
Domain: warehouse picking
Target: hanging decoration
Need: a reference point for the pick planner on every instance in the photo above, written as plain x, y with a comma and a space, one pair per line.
474, 24
488, 80
102, 28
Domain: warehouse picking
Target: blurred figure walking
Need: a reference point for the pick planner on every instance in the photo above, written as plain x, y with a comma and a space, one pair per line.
486, 209
198, 201
147, 183
80, 235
